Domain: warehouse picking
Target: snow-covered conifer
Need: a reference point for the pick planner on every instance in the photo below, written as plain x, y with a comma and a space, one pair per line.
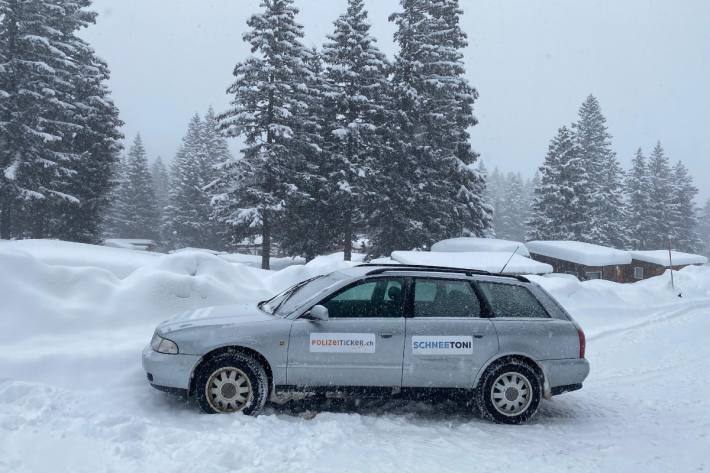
559, 209
268, 108
638, 187
356, 72
133, 212
513, 209
660, 203
683, 214
433, 102
603, 187
704, 228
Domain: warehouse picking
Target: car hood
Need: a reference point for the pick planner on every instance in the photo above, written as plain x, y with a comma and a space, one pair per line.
217, 315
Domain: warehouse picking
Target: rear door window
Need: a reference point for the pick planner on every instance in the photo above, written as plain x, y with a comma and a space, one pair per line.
511, 300
445, 298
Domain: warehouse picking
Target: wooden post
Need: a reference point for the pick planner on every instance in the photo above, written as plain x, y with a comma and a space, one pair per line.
670, 263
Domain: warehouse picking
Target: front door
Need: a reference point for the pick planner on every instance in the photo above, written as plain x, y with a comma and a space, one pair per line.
447, 339
360, 345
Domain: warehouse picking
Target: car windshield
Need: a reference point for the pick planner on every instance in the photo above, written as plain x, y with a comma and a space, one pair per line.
288, 300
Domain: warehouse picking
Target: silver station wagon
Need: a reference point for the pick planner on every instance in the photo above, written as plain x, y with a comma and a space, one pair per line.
502, 340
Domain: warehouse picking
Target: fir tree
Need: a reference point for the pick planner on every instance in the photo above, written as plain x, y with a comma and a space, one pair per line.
660, 204
188, 213
434, 111
267, 112
161, 183
309, 226
36, 110
704, 228
558, 209
683, 215
356, 73
603, 189
513, 210
59, 137
638, 186
134, 213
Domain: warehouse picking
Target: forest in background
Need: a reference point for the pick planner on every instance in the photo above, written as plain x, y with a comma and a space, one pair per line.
340, 143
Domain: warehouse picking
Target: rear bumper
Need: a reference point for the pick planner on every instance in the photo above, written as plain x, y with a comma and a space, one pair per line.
563, 373
168, 371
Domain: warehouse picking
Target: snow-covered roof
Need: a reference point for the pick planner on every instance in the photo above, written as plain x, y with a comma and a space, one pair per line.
455, 245
130, 243
578, 252
491, 261
660, 257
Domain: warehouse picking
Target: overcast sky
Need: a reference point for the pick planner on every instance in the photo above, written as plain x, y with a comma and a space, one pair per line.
532, 61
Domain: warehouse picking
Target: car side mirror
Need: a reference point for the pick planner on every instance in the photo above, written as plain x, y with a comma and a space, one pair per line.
318, 312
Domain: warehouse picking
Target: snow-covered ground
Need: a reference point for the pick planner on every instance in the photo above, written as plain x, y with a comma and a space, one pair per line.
73, 397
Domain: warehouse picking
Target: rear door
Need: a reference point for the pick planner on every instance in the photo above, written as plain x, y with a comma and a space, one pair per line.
448, 337
524, 325
360, 345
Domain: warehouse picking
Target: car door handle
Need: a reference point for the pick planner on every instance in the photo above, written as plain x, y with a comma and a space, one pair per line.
386, 335
477, 335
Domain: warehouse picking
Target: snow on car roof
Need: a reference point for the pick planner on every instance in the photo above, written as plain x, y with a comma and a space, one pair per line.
660, 257
579, 252
491, 261
461, 244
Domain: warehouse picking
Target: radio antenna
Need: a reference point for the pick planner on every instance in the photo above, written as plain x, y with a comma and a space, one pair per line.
510, 258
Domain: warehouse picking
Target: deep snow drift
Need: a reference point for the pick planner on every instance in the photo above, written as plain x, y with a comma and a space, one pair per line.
73, 398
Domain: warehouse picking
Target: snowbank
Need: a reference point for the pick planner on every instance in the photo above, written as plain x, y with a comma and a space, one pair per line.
72, 389
119, 261
579, 252
90, 290
465, 244
661, 257
478, 260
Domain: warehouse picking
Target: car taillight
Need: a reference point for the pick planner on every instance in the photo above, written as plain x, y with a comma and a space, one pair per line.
582, 341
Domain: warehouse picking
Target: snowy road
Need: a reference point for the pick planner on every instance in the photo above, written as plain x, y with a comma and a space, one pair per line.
81, 405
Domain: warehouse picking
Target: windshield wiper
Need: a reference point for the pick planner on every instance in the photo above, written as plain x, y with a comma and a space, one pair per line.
288, 294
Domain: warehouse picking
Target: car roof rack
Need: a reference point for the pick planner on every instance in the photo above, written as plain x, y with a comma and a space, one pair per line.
386, 267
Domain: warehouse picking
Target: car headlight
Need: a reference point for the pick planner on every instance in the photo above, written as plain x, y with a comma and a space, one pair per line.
163, 345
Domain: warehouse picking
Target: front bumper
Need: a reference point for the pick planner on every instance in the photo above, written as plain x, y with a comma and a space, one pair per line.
168, 371
566, 372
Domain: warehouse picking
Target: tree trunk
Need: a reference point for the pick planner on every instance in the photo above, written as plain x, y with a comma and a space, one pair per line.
265, 240
5, 217
348, 236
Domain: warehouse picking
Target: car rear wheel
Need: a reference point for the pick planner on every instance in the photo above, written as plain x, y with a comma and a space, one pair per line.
509, 392
231, 382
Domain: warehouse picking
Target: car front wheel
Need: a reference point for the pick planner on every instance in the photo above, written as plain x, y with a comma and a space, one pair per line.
509, 393
231, 382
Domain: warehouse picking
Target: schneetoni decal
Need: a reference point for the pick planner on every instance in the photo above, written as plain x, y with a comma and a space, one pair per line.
442, 345
342, 343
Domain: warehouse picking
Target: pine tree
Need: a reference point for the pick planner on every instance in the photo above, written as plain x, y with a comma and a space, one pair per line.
513, 210
188, 213
309, 226
638, 187
356, 74
559, 208
267, 112
603, 190
433, 103
704, 228
134, 213
58, 126
36, 111
683, 216
660, 206
161, 183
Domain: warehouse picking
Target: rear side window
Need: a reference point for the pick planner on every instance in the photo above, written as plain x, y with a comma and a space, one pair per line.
510, 300
445, 298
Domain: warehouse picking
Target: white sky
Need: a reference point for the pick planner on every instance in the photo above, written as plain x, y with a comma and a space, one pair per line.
532, 61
